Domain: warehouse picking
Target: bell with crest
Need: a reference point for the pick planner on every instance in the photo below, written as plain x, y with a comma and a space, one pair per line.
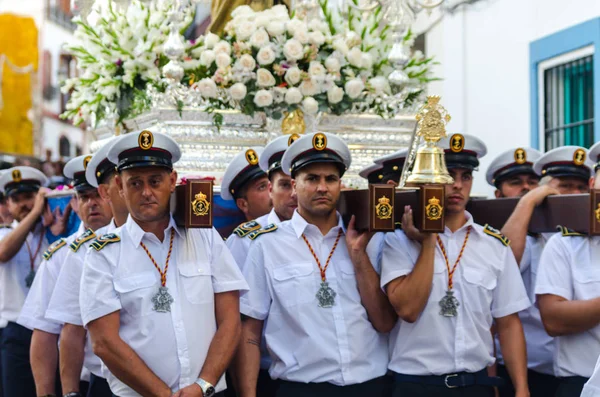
429, 164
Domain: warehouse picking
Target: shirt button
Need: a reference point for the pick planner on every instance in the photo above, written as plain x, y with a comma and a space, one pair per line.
200, 271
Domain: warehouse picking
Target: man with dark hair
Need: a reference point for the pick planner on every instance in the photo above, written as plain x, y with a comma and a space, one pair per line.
64, 306
512, 174
446, 288
161, 303
312, 283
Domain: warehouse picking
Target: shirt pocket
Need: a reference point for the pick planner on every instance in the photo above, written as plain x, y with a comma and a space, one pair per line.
295, 284
479, 288
348, 280
196, 281
136, 293
587, 283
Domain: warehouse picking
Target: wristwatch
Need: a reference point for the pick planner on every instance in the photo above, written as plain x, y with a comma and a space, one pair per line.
207, 389
73, 394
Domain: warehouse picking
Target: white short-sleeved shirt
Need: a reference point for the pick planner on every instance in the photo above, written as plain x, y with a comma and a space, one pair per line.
592, 386
13, 289
240, 246
570, 268
487, 285
4, 230
309, 343
34, 309
64, 302
540, 345
375, 250
121, 277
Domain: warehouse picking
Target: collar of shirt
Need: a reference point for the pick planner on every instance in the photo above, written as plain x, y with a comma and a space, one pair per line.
448, 232
273, 218
136, 233
300, 225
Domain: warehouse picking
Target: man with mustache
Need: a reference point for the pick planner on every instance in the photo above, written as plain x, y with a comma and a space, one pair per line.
284, 203
567, 286
314, 290
75, 346
558, 167
446, 288
94, 214
160, 302
21, 249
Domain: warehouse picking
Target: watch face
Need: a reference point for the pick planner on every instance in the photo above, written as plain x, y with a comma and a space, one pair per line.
210, 392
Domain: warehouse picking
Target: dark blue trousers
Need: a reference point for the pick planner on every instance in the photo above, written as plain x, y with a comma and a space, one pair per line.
17, 378
98, 387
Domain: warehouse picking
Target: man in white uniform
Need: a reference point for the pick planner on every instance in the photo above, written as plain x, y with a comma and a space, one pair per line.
161, 303
447, 289
568, 295
314, 289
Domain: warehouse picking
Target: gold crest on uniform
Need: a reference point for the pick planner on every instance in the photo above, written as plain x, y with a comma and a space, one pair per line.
58, 244
319, 141
268, 229
145, 140
104, 240
490, 231
579, 157
16, 176
457, 143
246, 228
87, 236
520, 156
251, 157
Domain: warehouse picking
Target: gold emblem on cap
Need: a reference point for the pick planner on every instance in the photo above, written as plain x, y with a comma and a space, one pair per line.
319, 141
251, 157
579, 157
98, 174
86, 161
380, 176
200, 206
293, 138
520, 156
384, 210
145, 140
433, 210
16, 175
457, 143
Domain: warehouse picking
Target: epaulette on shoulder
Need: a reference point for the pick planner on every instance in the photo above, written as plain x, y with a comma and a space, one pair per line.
87, 236
566, 232
246, 228
397, 225
55, 246
487, 229
5, 226
267, 229
104, 240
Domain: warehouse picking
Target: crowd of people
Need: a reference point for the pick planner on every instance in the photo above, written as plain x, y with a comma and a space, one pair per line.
295, 302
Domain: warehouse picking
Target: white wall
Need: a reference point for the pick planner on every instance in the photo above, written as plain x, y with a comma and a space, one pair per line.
484, 55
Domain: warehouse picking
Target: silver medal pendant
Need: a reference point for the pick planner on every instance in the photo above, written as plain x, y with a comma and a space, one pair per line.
326, 295
29, 279
162, 300
449, 305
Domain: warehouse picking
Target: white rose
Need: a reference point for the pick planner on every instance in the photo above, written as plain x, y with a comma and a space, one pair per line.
247, 62
293, 96
266, 56
354, 88
295, 25
242, 10
222, 47
207, 57
280, 11
318, 25
316, 69
238, 91
355, 57
309, 87
207, 88
340, 45
380, 85
353, 39
293, 50
335, 94
333, 65
263, 20
223, 60
264, 78
366, 61
316, 38
259, 38
244, 30
211, 40
263, 98
301, 35
292, 76
276, 28
310, 105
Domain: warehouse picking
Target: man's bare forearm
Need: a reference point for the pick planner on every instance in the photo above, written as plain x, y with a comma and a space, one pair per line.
516, 227
379, 309
44, 360
565, 317
72, 351
247, 362
226, 339
512, 343
13, 241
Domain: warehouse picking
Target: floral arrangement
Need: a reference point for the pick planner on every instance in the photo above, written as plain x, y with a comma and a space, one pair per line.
265, 61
